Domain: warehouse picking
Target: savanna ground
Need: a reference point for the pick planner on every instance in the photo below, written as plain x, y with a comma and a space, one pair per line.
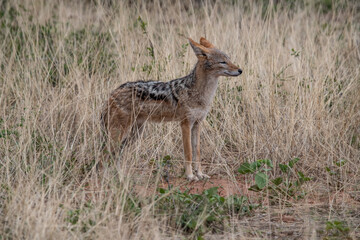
281, 143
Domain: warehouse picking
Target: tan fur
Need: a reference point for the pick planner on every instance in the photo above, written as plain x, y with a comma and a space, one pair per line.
187, 100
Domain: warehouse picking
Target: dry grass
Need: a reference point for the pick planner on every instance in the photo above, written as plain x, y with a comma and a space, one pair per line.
60, 59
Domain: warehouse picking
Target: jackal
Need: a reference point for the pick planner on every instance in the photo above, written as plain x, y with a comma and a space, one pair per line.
186, 100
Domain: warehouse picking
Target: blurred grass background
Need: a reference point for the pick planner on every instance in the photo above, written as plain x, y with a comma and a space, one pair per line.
297, 97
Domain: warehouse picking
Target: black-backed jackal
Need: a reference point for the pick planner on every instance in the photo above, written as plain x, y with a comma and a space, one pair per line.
186, 100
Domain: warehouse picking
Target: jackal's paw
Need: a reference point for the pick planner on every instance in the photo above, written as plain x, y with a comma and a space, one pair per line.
192, 177
201, 175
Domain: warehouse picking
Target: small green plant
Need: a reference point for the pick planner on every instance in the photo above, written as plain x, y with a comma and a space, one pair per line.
335, 229
147, 68
288, 184
260, 169
73, 216
295, 53
78, 219
11, 130
194, 214
142, 24
334, 172
150, 51
201, 213
183, 50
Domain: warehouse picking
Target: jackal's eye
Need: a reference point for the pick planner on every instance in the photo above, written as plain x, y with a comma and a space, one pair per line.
222, 62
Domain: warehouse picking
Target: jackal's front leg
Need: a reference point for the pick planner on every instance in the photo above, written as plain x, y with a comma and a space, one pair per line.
195, 142
186, 137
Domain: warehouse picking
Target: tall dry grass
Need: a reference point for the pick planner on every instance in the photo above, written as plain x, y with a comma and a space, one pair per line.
297, 97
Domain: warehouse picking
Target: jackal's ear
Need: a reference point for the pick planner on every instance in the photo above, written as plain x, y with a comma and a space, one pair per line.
206, 43
199, 50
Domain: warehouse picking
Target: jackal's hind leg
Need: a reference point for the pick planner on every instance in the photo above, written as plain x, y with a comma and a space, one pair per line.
118, 129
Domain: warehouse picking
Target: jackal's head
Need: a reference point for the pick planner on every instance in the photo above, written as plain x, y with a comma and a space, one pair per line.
213, 60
